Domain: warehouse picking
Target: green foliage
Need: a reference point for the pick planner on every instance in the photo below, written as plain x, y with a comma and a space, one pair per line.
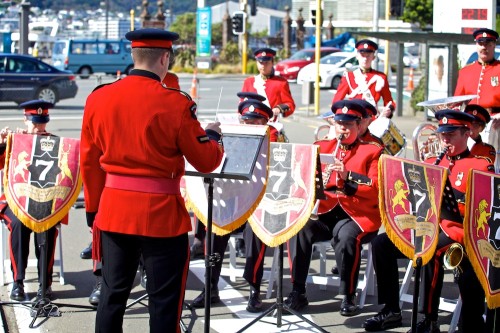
217, 33
184, 58
227, 69
231, 54
252, 67
185, 26
418, 12
418, 95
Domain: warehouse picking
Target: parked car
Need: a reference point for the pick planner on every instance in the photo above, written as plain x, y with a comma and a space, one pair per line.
24, 78
473, 56
290, 67
331, 69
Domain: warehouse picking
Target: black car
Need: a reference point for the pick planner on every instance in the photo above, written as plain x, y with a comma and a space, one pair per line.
24, 78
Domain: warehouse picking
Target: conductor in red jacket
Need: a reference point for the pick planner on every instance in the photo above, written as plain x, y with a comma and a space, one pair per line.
136, 133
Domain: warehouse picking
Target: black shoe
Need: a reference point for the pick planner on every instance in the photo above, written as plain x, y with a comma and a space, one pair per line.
296, 301
348, 306
199, 302
254, 302
96, 294
335, 270
48, 295
427, 326
240, 248
197, 250
383, 320
144, 278
87, 252
17, 293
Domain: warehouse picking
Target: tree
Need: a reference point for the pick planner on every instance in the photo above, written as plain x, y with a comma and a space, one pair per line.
418, 12
185, 26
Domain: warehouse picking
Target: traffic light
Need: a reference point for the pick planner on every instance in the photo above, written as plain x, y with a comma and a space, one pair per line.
253, 8
314, 19
238, 22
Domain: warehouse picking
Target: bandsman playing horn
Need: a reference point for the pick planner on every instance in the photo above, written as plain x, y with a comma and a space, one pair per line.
349, 217
453, 132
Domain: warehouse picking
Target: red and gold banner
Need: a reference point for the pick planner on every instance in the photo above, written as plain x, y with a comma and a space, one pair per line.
290, 193
410, 197
42, 178
482, 231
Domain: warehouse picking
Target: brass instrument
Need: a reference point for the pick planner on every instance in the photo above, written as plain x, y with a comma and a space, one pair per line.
326, 176
453, 257
318, 135
425, 141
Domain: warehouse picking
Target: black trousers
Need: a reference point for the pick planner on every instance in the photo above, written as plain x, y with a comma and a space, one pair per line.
255, 255
473, 296
347, 239
19, 243
167, 262
385, 261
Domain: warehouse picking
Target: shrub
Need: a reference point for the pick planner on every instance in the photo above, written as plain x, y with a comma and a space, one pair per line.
418, 95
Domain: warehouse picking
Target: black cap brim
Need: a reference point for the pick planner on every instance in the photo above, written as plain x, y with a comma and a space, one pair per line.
345, 117
448, 128
38, 119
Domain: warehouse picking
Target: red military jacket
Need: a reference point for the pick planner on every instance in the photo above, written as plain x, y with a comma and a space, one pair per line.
369, 137
171, 80
484, 81
137, 127
459, 167
276, 89
360, 200
484, 149
377, 82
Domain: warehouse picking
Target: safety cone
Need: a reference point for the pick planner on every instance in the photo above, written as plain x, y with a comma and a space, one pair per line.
410, 86
194, 86
118, 74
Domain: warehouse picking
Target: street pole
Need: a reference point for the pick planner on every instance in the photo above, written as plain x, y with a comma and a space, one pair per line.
319, 23
132, 20
387, 45
244, 40
107, 17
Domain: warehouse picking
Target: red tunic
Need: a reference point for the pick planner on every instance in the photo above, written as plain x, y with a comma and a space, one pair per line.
276, 89
481, 148
459, 173
130, 128
361, 160
378, 87
484, 81
172, 81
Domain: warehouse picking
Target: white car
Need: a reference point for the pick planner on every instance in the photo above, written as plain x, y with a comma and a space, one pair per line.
331, 69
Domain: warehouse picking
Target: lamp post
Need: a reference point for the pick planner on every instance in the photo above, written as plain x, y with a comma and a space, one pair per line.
106, 11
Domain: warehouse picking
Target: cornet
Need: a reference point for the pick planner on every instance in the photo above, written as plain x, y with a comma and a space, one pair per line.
453, 257
326, 176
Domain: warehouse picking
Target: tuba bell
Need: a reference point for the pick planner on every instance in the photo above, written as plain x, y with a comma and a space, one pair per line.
453, 256
425, 141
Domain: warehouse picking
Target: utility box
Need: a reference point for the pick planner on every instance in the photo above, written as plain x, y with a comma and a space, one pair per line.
308, 92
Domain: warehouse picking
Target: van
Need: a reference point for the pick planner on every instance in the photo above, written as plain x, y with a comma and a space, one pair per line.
85, 57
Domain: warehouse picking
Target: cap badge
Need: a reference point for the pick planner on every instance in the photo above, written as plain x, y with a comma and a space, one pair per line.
474, 113
365, 45
345, 109
263, 54
445, 120
39, 111
485, 34
251, 108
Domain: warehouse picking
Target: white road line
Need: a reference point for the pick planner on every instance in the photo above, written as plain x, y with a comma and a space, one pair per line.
237, 303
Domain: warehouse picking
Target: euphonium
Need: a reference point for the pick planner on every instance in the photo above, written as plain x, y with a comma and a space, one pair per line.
326, 176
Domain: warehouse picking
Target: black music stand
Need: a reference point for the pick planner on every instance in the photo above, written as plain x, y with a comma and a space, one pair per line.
279, 306
242, 152
44, 307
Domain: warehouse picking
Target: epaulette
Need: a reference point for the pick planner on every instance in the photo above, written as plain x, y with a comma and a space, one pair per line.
378, 145
182, 92
484, 158
102, 85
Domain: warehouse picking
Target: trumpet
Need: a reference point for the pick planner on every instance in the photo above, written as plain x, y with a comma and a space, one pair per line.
453, 257
326, 176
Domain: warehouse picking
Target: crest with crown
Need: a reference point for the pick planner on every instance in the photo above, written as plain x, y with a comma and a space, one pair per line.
47, 144
279, 154
415, 176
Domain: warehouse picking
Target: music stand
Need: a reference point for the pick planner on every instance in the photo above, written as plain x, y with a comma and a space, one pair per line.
241, 154
279, 306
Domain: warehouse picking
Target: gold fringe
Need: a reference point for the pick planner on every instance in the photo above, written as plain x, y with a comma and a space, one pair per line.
279, 239
493, 301
27, 220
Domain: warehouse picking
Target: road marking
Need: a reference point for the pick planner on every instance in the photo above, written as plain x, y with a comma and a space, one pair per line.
237, 303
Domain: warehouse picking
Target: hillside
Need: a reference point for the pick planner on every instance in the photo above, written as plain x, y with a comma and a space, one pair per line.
178, 7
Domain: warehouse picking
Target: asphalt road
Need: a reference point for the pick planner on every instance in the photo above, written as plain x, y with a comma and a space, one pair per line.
230, 315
